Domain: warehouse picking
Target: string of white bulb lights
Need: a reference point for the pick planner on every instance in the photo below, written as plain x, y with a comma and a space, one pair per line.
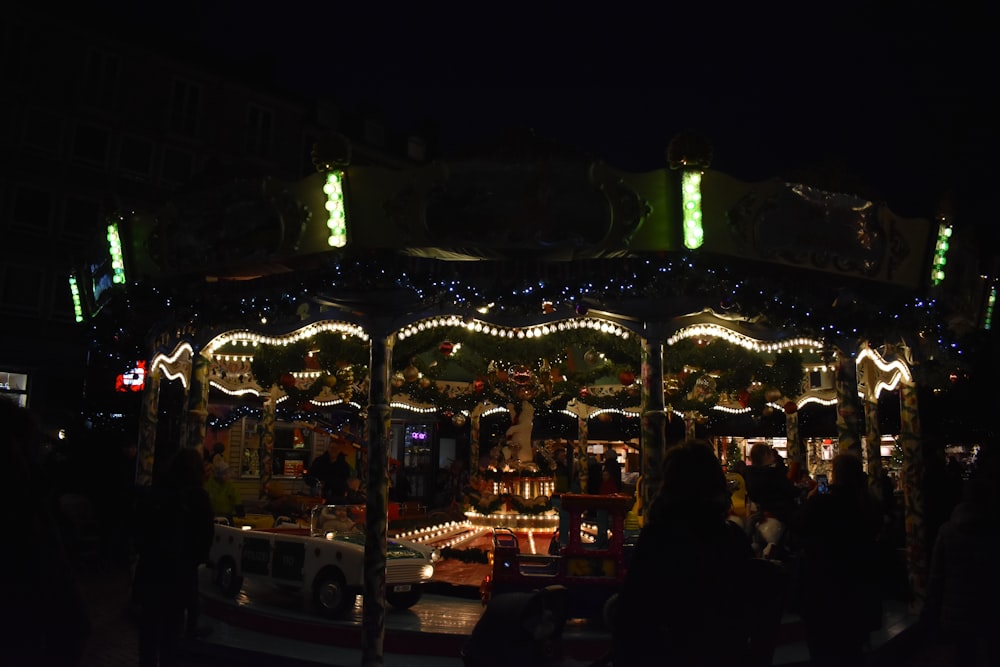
534, 331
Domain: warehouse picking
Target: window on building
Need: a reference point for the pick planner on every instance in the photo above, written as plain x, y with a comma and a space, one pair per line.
815, 379
32, 210
14, 387
135, 158
82, 218
185, 108
90, 144
42, 130
259, 131
177, 165
21, 290
100, 84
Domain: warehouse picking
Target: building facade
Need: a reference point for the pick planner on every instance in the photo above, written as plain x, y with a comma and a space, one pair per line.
100, 121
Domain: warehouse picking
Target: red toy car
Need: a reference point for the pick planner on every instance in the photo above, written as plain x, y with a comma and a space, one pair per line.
591, 563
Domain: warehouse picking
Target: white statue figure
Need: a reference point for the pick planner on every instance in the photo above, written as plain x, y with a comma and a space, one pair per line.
519, 433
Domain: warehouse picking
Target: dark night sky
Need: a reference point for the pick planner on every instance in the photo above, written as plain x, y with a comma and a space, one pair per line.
902, 102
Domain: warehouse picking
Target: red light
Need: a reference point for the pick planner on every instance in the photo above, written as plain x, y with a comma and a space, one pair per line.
134, 380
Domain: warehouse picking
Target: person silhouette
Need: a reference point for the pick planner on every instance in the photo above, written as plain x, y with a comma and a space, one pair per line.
963, 585
176, 527
768, 487
673, 606
835, 535
612, 481
332, 470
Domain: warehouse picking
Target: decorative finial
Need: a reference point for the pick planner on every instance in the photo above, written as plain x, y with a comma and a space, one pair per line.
331, 151
689, 150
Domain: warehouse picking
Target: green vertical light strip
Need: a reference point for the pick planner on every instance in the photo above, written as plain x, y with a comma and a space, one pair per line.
694, 234
74, 289
991, 302
940, 253
334, 189
117, 258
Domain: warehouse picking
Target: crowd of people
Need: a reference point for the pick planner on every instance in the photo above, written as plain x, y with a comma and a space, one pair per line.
677, 604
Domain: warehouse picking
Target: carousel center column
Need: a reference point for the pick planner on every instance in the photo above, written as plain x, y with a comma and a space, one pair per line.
377, 515
654, 432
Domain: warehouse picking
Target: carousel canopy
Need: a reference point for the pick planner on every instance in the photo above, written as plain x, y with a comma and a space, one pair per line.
519, 232
527, 201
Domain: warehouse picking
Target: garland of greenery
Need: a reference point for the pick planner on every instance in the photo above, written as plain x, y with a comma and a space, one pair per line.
486, 503
835, 308
343, 362
478, 350
533, 506
734, 367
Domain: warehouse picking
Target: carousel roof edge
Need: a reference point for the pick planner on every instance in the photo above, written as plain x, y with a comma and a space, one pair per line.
543, 209
540, 213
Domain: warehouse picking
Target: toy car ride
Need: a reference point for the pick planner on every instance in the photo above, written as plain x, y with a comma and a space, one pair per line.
591, 562
324, 561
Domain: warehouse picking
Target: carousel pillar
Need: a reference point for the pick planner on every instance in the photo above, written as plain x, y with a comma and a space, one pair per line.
873, 444
474, 440
846, 381
794, 449
148, 420
377, 514
873, 374
581, 447
582, 412
583, 425
913, 501
653, 438
579, 474
266, 452
197, 402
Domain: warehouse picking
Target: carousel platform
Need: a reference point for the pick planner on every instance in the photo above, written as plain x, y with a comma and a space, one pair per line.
265, 626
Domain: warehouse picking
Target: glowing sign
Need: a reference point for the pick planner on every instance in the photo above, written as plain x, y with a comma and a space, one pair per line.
337, 222
694, 233
134, 380
117, 255
74, 289
940, 253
